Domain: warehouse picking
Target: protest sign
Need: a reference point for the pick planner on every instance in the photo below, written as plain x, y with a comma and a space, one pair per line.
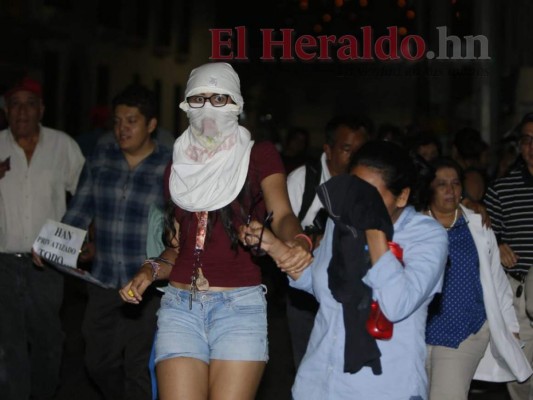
59, 245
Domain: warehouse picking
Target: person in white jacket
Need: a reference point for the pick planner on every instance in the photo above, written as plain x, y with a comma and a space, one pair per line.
472, 329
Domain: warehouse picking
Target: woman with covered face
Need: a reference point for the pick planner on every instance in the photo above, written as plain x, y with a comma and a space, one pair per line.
472, 329
347, 358
212, 326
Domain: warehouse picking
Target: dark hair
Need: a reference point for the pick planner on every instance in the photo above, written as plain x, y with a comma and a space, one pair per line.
226, 214
341, 120
525, 120
295, 132
392, 133
447, 162
469, 144
398, 168
139, 96
425, 138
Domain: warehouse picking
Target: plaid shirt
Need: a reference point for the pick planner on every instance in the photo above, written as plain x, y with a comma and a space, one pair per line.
118, 200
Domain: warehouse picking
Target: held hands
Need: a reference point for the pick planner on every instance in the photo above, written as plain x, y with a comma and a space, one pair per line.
291, 257
132, 292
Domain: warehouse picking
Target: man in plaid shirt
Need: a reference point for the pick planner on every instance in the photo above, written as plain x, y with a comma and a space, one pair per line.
118, 184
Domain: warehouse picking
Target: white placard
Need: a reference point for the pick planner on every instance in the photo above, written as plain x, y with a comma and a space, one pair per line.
59, 243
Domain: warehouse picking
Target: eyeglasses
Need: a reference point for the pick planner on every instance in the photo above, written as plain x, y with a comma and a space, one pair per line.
216, 100
526, 140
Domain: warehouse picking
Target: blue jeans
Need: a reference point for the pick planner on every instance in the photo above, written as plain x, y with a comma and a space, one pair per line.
227, 325
31, 335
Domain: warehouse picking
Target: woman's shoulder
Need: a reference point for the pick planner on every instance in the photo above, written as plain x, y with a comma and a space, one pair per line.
264, 146
266, 158
421, 225
415, 218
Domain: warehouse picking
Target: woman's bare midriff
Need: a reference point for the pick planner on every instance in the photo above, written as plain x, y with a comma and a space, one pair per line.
187, 286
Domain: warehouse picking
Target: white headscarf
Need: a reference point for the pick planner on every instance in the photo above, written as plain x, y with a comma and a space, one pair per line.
211, 157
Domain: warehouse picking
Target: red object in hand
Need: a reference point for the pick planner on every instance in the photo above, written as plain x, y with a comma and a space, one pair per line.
396, 250
377, 324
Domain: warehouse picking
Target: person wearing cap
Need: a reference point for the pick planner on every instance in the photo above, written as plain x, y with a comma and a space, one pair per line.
118, 185
38, 165
212, 327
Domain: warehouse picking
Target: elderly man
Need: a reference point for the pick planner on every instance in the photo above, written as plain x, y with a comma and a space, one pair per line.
38, 165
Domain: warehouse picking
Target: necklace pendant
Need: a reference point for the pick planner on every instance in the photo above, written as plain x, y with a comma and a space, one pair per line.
202, 284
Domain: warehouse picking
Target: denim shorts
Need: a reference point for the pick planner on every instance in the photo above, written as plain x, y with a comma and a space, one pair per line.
227, 325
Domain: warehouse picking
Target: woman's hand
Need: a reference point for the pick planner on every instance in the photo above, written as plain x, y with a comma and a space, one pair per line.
291, 257
249, 236
478, 208
295, 260
132, 292
508, 257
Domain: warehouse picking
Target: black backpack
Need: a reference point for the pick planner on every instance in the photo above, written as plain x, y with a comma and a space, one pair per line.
313, 170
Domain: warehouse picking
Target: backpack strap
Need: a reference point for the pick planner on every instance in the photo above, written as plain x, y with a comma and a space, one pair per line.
313, 170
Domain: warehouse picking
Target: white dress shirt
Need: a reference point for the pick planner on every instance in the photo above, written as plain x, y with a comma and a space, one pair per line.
31, 194
296, 187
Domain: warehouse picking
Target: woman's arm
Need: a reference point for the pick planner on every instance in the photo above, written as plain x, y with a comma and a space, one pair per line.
149, 272
377, 244
401, 290
285, 224
275, 248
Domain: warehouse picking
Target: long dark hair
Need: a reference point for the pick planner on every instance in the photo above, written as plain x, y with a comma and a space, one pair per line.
399, 169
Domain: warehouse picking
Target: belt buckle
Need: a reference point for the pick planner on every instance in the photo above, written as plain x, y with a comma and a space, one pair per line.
22, 255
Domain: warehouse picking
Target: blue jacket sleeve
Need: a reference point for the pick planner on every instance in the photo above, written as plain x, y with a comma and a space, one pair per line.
401, 290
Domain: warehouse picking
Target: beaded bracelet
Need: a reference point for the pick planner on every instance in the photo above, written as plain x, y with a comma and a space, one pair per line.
161, 259
155, 267
307, 238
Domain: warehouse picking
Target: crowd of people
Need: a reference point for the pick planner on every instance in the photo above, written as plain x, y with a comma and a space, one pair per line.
406, 267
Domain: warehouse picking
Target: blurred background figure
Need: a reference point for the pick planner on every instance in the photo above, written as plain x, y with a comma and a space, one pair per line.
100, 119
469, 149
392, 133
426, 145
295, 150
474, 184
